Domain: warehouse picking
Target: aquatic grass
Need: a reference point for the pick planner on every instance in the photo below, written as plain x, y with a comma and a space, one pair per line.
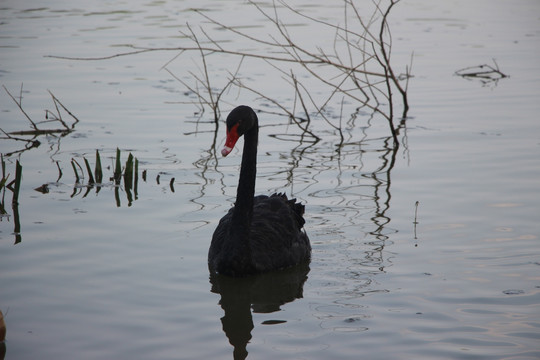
2, 190
3, 168
117, 168
129, 172
2, 208
15, 187
77, 177
98, 171
18, 178
15, 202
136, 179
4, 178
3, 182
59, 171
89, 171
128, 178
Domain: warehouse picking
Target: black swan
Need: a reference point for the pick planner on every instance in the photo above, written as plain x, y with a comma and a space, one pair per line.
260, 233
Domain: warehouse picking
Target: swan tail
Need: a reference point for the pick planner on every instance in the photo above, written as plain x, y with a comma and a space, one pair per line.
296, 207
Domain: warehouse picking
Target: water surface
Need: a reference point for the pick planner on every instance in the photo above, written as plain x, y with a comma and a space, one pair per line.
92, 274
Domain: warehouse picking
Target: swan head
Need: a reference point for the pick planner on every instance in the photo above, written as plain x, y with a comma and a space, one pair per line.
240, 120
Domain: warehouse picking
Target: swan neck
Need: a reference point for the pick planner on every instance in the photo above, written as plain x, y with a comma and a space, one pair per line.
246, 184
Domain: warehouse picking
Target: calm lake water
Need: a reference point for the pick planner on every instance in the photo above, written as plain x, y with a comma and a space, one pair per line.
94, 275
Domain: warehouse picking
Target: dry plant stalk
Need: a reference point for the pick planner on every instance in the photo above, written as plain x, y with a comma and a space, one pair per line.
35, 131
357, 67
347, 74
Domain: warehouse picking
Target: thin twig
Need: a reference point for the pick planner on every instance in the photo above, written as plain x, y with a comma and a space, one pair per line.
357, 50
19, 105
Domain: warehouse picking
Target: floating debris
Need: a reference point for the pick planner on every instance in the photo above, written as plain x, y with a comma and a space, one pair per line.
44, 189
513, 292
486, 74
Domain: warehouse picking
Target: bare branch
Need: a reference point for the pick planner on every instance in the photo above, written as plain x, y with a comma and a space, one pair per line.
283, 108
357, 65
19, 105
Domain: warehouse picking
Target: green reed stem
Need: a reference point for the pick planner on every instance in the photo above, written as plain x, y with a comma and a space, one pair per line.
18, 178
128, 173
89, 170
77, 177
136, 179
117, 168
98, 170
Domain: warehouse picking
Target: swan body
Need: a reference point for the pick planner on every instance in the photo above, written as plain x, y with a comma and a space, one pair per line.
260, 233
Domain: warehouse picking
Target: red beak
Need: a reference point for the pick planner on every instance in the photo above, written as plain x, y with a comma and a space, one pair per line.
232, 138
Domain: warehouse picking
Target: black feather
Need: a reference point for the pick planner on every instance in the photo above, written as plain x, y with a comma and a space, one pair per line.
261, 233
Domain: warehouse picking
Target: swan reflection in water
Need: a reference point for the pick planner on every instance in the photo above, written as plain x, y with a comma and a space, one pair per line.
264, 293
